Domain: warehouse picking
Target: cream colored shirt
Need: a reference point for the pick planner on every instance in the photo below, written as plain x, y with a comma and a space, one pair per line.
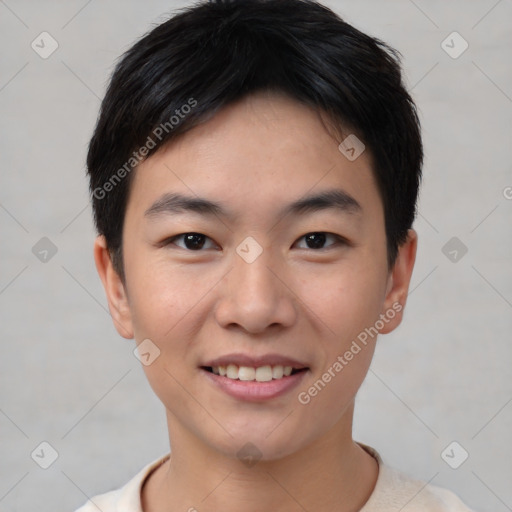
394, 492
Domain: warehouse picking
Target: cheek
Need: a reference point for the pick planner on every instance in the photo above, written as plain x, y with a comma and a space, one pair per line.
161, 298
345, 298
163, 303
347, 301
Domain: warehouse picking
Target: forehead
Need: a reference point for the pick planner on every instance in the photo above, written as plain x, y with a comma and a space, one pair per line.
253, 156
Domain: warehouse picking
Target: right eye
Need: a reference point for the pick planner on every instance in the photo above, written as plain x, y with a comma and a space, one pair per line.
191, 241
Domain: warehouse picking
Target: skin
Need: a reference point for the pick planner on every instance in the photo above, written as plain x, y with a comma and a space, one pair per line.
255, 156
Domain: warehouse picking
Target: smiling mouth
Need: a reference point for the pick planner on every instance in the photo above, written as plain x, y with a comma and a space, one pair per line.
264, 373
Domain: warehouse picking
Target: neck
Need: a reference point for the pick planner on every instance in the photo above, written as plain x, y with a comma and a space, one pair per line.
332, 473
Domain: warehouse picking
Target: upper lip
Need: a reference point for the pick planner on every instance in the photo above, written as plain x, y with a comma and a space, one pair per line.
255, 361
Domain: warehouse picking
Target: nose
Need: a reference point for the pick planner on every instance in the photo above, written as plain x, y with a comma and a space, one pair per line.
256, 296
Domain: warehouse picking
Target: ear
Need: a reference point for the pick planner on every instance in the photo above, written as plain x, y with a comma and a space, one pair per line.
398, 283
114, 288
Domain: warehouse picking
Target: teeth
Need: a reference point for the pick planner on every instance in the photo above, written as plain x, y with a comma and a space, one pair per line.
277, 372
232, 371
247, 373
263, 374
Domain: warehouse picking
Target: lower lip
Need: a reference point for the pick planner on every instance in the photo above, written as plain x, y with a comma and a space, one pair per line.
253, 391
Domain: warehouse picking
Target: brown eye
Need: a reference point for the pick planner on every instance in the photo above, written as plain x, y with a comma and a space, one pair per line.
316, 240
191, 241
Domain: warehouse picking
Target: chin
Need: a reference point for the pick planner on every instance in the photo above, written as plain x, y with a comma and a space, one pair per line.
255, 442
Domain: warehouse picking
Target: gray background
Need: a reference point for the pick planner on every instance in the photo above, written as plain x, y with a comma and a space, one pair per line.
67, 378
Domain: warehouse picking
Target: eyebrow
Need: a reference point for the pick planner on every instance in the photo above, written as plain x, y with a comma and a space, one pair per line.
173, 203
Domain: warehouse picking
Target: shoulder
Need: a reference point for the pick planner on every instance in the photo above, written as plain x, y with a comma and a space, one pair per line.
395, 491
421, 496
126, 498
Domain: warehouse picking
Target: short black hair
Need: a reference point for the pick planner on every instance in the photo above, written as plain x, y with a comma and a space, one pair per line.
211, 54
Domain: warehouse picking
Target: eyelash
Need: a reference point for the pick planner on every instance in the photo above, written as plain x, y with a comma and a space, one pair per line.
339, 240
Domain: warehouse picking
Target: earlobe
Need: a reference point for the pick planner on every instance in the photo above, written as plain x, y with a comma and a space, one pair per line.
398, 282
114, 289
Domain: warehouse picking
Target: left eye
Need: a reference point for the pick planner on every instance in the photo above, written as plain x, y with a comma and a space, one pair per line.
316, 240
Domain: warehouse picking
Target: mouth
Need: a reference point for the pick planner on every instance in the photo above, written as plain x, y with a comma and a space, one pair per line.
265, 373
254, 379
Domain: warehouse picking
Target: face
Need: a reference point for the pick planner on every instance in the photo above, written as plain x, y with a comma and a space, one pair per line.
252, 244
